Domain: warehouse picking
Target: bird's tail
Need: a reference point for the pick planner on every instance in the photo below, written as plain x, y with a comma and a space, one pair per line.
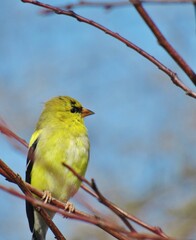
38, 236
40, 227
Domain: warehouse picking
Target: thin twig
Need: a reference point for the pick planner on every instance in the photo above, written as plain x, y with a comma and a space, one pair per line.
94, 194
117, 4
6, 131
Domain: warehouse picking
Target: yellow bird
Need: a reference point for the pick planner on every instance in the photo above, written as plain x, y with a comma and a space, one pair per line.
60, 137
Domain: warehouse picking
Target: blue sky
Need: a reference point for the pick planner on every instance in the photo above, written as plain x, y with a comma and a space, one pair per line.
142, 134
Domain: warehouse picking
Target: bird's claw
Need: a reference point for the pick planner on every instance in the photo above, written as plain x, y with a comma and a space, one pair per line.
47, 197
69, 207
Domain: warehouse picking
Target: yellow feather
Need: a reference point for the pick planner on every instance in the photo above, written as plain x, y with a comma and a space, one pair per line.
61, 137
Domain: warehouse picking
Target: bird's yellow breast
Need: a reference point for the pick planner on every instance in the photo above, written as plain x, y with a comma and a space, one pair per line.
55, 146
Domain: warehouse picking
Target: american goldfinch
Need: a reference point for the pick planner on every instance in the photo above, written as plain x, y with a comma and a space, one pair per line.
60, 137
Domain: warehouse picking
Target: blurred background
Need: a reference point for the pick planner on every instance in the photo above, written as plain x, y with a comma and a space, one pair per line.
143, 133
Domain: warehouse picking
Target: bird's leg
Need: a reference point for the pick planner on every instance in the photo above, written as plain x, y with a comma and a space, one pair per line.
69, 207
47, 197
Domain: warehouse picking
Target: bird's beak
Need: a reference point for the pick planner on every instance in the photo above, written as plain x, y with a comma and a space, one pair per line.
86, 112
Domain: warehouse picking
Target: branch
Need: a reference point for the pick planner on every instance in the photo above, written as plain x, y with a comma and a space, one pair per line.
15, 178
6, 131
163, 41
120, 213
109, 5
97, 195
111, 228
173, 76
59, 207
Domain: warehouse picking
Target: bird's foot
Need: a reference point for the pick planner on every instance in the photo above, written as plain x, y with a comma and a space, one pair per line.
69, 207
47, 197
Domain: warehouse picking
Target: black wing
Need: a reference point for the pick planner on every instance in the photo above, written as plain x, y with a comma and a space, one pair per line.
30, 161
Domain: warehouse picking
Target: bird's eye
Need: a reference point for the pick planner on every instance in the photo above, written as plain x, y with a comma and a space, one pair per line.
75, 110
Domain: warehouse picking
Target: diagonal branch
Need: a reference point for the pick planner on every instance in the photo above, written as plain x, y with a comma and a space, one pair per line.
57, 206
120, 213
6, 131
15, 178
98, 196
173, 76
163, 41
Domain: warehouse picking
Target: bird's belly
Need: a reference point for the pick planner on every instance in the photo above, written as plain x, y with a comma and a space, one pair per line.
50, 174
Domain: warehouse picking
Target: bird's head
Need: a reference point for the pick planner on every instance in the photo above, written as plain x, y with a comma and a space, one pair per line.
65, 107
